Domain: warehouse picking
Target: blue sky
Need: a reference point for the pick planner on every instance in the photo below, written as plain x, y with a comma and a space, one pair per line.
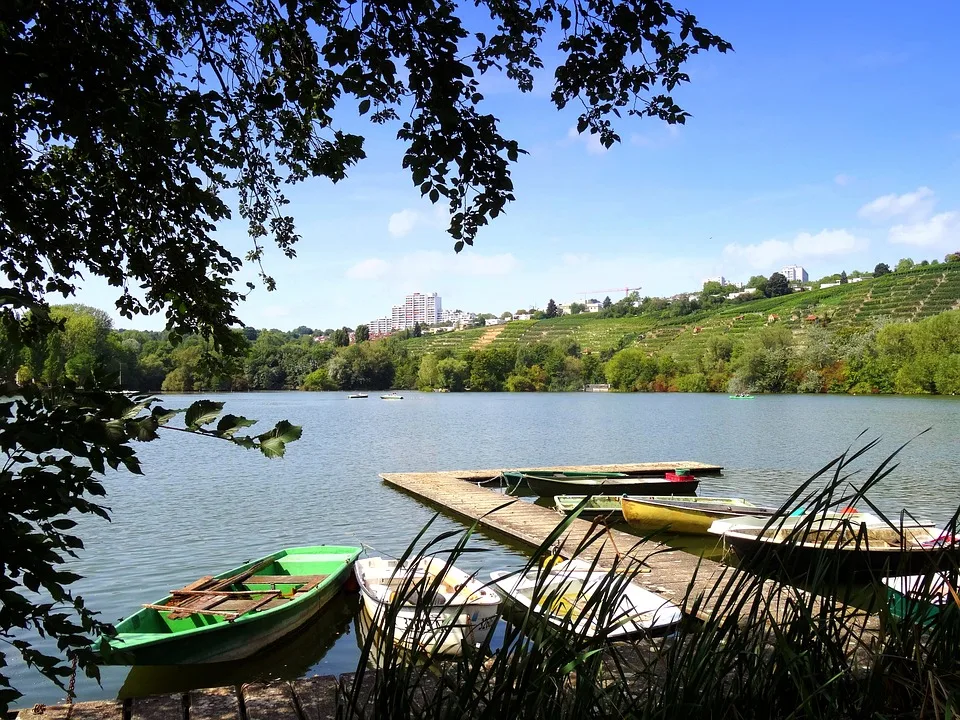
829, 138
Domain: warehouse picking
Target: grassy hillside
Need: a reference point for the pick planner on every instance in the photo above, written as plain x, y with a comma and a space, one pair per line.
897, 297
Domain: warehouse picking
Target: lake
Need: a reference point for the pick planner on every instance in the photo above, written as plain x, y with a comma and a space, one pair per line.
203, 506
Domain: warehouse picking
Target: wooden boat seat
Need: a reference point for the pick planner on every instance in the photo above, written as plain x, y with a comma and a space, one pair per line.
306, 582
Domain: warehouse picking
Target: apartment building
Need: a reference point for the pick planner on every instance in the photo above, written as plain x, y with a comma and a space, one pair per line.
423, 308
795, 273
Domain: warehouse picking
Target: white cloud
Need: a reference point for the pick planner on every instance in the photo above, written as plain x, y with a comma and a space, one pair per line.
804, 246
403, 222
913, 206
941, 230
843, 180
421, 266
590, 140
656, 139
369, 269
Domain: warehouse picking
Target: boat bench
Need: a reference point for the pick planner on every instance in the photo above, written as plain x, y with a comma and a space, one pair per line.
308, 582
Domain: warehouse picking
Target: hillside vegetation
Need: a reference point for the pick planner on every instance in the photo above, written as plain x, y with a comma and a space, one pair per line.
893, 334
844, 309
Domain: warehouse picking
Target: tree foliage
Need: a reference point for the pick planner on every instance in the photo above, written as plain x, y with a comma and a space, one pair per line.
881, 269
777, 285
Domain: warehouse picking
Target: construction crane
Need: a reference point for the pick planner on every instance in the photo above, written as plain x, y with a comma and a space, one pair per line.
626, 291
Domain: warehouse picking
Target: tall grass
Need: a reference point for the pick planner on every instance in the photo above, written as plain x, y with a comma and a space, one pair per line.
754, 645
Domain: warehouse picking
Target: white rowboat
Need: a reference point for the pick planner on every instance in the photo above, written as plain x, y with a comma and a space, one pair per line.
569, 587
460, 610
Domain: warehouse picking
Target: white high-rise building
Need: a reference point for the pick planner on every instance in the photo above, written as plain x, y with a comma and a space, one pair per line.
795, 273
381, 326
423, 308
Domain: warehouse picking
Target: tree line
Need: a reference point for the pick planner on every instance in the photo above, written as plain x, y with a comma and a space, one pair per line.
908, 358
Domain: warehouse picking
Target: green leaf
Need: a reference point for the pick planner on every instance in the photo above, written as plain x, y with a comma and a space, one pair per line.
163, 416
202, 412
273, 443
229, 424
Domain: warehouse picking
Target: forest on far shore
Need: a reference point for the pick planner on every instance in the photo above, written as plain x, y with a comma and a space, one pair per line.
907, 358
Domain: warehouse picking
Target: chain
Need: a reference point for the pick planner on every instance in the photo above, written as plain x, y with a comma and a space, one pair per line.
70, 687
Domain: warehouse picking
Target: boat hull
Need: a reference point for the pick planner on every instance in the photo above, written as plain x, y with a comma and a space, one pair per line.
799, 560
549, 487
199, 639
692, 517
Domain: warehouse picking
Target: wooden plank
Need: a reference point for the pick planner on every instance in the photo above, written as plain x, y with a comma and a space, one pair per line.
269, 701
284, 579
158, 707
199, 584
46, 712
269, 596
220, 703
98, 710
316, 697
312, 584
180, 613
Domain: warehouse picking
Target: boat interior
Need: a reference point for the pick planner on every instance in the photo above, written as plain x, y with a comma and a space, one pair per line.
454, 588
268, 584
845, 534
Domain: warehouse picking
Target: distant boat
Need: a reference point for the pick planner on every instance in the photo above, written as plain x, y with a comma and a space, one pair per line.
237, 613
441, 390
357, 396
391, 396
564, 599
597, 505
741, 396
692, 515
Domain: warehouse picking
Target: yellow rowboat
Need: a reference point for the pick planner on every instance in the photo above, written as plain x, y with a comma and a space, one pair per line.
691, 515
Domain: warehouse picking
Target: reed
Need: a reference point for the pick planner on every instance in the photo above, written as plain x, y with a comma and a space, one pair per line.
763, 645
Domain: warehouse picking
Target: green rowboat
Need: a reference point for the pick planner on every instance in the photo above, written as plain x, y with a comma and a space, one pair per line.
235, 614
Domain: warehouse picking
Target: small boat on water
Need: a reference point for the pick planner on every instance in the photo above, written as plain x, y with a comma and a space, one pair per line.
691, 515
562, 597
549, 484
921, 597
235, 614
823, 519
855, 549
596, 505
741, 397
357, 396
391, 396
461, 609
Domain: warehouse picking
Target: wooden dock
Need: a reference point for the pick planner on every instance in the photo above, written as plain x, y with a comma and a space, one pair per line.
460, 493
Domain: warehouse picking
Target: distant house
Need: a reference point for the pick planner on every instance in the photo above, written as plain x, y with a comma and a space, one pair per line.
492, 321
522, 316
828, 285
856, 279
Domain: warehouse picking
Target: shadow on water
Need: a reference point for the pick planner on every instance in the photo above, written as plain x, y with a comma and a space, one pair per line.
288, 659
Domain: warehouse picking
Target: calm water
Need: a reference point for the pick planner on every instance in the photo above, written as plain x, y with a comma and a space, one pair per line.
204, 506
